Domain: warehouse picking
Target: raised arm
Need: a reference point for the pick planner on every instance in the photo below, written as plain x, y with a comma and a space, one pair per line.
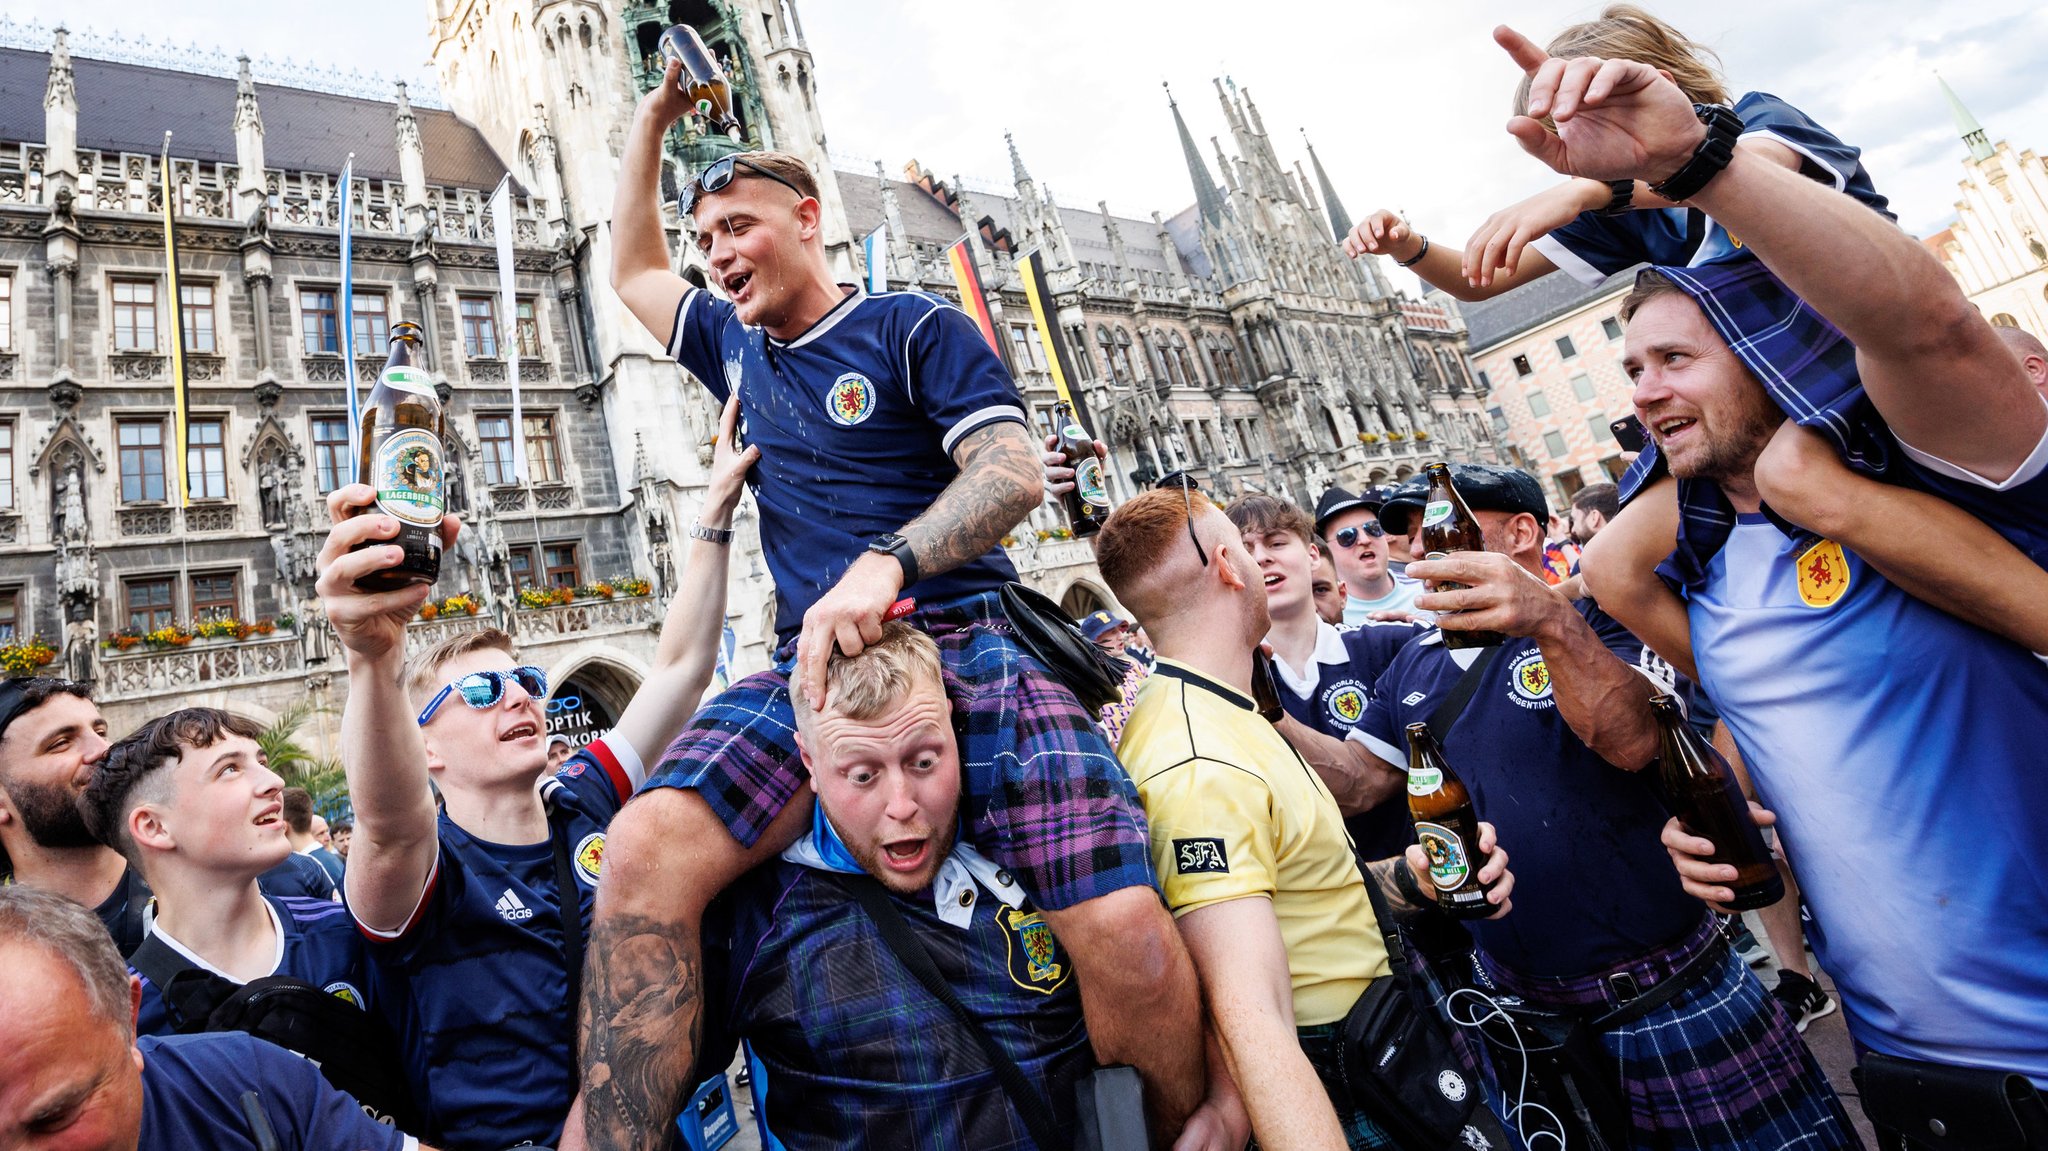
1001, 479
1358, 779
381, 748
1243, 964
1454, 271
642, 270
690, 634
1926, 356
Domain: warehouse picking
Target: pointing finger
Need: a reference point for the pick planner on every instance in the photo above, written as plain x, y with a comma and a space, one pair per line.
1522, 50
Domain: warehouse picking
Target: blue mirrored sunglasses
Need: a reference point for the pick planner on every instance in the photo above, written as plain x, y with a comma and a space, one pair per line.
482, 689
1347, 537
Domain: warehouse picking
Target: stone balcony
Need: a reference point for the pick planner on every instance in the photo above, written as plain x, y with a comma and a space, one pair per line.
207, 665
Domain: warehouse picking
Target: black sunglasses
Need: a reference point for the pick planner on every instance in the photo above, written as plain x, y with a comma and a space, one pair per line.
1187, 495
1348, 537
719, 173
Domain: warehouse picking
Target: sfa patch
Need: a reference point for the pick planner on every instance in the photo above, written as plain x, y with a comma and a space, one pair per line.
1191, 856
1033, 953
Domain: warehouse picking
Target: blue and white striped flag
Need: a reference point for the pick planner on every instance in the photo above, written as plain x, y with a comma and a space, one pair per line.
348, 313
875, 250
728, 647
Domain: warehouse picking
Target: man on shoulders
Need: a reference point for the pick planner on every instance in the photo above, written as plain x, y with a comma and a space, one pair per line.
1250, 845
1350, 524
74, 1076
895, 456
191, 802
475, 913
1829, 674
52, 738
1324, 675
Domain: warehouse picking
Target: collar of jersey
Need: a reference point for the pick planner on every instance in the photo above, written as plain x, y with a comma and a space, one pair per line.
1329, 649
963, 870
826, 322
149, 927
1180, 671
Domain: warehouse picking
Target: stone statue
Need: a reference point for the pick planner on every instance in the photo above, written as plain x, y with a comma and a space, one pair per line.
423, 240
61, 208
81, 652
69, 523
456, 478
272, 481
257, 227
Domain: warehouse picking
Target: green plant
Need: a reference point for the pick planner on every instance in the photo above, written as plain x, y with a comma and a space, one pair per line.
24, 656
633, 585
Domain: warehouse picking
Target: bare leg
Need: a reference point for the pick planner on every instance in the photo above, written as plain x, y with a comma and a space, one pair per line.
666, 857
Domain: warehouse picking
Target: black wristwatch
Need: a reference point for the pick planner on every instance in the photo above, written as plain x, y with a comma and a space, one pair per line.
893, 544
1618, 204
1724, 127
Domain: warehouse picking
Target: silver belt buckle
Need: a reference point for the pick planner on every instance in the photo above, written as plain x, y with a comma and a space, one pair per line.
1623, 986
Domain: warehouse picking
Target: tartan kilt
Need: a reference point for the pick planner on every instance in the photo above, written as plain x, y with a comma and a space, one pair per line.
1719, 1068
1043, 794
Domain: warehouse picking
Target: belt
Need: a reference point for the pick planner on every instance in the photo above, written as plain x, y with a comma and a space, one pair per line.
1636, 1002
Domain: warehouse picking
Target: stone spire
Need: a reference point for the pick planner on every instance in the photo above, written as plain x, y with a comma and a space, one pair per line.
1117, 251
412, 161
250, 190
1208, 197
1966, 124
896, 238
60, 114
1340, 222
1018, 175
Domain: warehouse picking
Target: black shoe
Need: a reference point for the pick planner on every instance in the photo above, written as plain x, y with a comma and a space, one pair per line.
1802, 999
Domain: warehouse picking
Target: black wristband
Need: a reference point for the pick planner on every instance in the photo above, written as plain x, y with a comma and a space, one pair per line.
1619, 203
1409, 887
1423, 251
1724, 127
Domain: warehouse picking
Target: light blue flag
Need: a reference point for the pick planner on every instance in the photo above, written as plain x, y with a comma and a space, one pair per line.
875, 250
348, 311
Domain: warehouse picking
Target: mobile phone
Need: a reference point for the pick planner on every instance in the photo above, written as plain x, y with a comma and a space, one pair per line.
1628, 432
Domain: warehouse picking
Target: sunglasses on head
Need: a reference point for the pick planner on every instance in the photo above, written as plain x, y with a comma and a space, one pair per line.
482, 689
718, 174
1187, 495
1348, 537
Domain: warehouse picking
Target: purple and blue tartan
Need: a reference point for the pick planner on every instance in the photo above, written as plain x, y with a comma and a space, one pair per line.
1719, 1068
1044, 795
1808, 367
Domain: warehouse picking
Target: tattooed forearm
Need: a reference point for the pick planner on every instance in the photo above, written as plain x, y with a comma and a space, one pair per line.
1405, 897
1001, 479
640, 1018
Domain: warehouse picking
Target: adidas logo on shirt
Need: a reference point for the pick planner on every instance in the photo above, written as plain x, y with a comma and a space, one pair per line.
512, 909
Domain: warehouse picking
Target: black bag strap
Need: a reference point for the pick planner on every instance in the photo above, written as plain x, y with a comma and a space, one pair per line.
134, 913
1446, 714
570, 898
1031, 1106
181, 983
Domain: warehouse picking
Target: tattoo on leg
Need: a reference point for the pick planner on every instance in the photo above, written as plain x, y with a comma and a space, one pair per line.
640, 1018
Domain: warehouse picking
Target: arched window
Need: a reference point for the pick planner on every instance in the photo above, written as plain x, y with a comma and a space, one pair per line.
2004, 320
1124, 371
1107, 347
1336, 432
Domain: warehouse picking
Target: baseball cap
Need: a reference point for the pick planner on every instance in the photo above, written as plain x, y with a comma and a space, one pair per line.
1098, 622
1335, 500
1484, 487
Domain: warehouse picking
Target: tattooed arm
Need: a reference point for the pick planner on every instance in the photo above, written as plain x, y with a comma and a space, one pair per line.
1404, 879
1001, 479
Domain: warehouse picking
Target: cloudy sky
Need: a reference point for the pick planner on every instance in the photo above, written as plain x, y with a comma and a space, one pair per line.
1404, 102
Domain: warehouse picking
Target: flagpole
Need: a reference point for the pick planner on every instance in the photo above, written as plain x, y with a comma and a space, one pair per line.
347, 342
508, 306
180, 401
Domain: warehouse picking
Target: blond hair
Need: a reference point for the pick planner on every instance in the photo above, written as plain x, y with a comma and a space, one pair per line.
861, 687
423, 671
1626, 32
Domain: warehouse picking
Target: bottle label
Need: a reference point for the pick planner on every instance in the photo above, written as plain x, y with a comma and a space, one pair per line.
1449, 866
1424, 780
408, 379
406, 471
1436, 512
1088, 483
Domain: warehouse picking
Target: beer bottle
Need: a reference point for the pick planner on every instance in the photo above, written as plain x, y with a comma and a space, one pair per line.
703, 81
1449, 526
1445, 826
1265, 690
1705, 796
1088, 504
401, 460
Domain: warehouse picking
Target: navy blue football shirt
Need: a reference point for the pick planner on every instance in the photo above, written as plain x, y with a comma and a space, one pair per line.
317, 943
857, 420
476, 985
1330, 696
192, 1090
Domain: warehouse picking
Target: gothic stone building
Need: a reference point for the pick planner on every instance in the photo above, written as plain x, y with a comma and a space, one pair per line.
95, 552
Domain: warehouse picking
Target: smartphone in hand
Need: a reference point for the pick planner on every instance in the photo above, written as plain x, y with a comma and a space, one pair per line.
1628, 432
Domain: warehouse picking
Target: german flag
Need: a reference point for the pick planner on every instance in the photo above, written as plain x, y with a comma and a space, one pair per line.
179, 399
1057, 360
972, 300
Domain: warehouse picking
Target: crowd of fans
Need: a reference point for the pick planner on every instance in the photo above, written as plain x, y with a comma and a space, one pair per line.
953, 873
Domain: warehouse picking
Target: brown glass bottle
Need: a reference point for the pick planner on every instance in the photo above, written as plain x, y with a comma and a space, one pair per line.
401, 460
1088, 504
1705, 796
1446, 826
703, 81
1449, 526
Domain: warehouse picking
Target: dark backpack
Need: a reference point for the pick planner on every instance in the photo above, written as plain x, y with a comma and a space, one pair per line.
352, 1049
